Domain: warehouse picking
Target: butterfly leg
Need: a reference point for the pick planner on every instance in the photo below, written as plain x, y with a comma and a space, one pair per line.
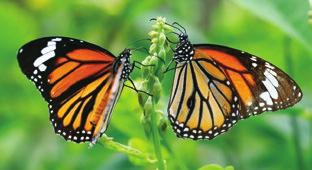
169, 69
136, 63
140, 49
133, 87
171, 41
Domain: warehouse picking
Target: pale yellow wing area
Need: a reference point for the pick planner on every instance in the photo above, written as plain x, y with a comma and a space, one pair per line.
202, 103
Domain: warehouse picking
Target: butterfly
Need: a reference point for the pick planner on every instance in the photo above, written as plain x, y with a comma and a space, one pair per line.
80, 81
215, 86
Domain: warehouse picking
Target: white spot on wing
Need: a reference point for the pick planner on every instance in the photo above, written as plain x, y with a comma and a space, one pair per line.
266, 97
272, 79
44, 58
47, 53
253, 58
271, 89
269, 65
42, 67
254, 64
50, 43
49, 48
56, 39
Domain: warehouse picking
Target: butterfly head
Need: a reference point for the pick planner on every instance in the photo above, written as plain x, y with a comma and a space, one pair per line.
184, 50
124, 60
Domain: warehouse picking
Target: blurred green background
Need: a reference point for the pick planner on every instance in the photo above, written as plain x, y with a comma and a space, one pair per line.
271, 29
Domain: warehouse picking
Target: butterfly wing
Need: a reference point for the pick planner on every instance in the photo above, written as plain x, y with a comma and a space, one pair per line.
202, 105
222, 85
261, 86
76, 79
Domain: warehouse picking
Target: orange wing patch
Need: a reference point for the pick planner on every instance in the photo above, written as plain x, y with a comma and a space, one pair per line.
220, 57
250, 79
61, 60
77, 75
77, 122
89, 55
241, 86
62, 70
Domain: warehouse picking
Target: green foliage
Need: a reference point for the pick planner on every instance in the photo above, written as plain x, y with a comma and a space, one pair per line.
215, 167
269, 29
278, 14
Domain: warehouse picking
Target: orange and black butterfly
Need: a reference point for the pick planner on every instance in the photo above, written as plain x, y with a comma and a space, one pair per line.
215, 86
80, 81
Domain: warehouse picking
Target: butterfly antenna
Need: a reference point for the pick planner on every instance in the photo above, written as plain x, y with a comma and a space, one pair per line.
175, 23
140, 49
171, 25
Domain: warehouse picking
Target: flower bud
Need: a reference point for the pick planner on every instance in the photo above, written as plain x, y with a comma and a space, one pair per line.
167, 28
162, 53
162, 123
152, 48
148, 106
146, 70
161, 39
153, 34
147, 126
156, 91
154, 62
154, 40
142, 97
156, 26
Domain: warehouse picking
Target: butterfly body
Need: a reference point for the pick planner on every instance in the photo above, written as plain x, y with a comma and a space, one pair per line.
80, 81
215, 86
184, 50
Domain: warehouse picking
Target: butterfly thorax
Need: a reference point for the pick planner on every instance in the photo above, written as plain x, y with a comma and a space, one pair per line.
124, 60
184, 51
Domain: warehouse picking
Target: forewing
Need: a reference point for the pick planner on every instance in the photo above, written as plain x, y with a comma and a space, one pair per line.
75, 78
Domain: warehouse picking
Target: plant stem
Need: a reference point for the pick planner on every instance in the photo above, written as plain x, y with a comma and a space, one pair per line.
130, 151
156, 140
152, 83
293, 119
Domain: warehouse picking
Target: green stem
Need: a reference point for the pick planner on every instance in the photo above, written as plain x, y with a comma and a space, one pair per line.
152, 84
109, 143
293, 119
156, 140
177, 159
